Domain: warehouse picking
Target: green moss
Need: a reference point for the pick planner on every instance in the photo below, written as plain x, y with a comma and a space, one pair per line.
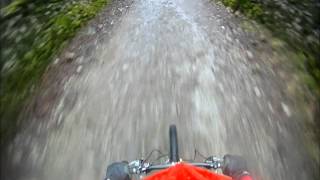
254, 10
246, 6
49, 26
230, 3
301, 61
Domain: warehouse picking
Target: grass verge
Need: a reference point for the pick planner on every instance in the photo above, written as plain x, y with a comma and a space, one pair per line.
32, 33
296, 23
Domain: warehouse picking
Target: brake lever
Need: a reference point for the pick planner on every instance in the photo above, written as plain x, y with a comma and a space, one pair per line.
135, 166
138, 166
215, 162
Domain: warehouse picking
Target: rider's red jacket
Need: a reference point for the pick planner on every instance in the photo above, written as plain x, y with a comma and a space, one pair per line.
246, 178
186, 171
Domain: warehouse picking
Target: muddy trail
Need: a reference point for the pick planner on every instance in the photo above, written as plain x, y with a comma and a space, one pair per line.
149, 64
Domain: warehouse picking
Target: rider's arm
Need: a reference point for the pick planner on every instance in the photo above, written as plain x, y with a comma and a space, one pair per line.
236, 167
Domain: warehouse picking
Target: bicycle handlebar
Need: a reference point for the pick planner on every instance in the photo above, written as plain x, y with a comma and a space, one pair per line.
139, 166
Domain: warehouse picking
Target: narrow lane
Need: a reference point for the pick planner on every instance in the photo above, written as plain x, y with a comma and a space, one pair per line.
167, 61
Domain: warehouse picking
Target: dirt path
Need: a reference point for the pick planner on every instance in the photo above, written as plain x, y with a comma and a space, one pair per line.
185, 62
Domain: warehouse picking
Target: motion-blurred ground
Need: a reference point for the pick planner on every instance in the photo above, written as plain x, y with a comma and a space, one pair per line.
153, 63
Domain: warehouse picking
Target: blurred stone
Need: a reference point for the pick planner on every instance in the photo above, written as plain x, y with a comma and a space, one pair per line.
91, 30
257, 91
286, 109
270, 107
250, 55
79, 69
80, 60
125, 67
56, 61
69, 56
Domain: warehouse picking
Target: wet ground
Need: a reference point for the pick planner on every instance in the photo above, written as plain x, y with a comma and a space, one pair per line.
153, 63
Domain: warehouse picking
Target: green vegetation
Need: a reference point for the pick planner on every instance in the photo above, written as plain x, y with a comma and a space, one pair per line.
246, 6
296, 22
33, 31
14, 7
